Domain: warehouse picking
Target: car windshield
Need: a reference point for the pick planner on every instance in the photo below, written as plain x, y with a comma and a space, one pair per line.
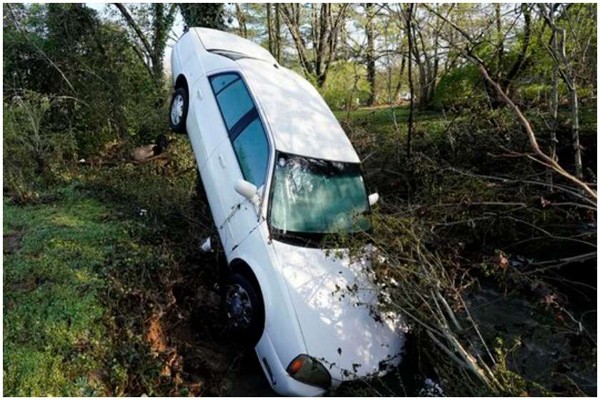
317, 197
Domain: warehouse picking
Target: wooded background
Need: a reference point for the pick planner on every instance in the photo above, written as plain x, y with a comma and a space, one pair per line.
475, 122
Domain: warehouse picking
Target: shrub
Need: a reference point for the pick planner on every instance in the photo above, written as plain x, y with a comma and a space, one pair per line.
33, 155
346, 86
458, 88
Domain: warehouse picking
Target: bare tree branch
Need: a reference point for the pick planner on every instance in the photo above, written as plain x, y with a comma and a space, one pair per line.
523, 121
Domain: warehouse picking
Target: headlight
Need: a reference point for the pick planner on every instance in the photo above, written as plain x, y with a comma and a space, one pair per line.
308, 370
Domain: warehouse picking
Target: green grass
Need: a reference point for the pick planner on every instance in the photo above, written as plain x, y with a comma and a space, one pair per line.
383, 117
54, 340
84, 272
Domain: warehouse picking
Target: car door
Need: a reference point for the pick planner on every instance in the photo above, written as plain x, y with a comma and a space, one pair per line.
205, 132
244, 156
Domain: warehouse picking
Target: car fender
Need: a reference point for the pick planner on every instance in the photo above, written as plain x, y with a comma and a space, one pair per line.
175, 65
281, 322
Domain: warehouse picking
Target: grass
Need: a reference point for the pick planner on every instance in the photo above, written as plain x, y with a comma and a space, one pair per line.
91, 265
383, 117
55, 343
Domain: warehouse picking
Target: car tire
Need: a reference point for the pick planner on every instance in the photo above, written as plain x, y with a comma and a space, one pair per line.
178, 110
244, 309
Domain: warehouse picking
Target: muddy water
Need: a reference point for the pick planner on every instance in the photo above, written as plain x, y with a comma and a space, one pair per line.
544, 345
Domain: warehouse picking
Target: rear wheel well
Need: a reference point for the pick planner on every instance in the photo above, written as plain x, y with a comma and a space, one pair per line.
181, 82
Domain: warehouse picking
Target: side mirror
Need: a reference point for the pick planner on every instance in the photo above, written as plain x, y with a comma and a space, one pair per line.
246, 189
373, 198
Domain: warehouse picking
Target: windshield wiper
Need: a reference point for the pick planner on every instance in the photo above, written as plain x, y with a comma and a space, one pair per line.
309, 239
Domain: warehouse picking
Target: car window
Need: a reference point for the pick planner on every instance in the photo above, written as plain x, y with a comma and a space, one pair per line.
233, 98
252, 151
219, 82
244, 126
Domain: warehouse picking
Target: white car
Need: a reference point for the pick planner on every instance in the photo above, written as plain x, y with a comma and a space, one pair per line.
280, 174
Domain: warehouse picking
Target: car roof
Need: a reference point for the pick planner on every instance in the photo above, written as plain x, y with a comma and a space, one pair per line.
299, 119
218, 41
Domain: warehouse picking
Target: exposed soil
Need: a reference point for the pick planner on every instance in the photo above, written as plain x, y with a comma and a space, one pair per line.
199, 354
12, 242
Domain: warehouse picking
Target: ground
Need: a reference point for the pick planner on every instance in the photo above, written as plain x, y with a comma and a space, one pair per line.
106, 293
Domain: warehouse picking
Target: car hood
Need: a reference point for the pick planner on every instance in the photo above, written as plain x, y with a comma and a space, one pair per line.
335, 304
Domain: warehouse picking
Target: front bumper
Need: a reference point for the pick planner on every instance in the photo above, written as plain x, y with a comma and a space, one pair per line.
281, 382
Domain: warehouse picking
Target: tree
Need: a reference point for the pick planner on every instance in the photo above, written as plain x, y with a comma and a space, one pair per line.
408, 15
26, 61
274, 29
565, 64
424, 44
208, 15
100, 89
325, 27
467, 47
241, 17
370, 56
149, 32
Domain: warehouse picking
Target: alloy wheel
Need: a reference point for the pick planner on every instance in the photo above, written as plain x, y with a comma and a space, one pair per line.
177, 109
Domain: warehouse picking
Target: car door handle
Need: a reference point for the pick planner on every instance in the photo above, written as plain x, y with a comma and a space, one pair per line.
221, 161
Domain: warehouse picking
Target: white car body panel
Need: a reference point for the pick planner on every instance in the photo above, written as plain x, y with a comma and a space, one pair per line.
219, 40
279, 309
303, 312
299, 117
335, 298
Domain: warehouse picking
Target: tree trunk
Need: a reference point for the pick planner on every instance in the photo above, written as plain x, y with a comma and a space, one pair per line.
500, 48
522, 58
159, 35
291, 17
321, 43
575, 129
423, 83
270, 35
553, 106
410, 80
277, 32
370, 53
399, 86
241, 17
565, 68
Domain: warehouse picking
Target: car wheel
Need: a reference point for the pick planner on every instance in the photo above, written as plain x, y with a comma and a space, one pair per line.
244, 309
179, 110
